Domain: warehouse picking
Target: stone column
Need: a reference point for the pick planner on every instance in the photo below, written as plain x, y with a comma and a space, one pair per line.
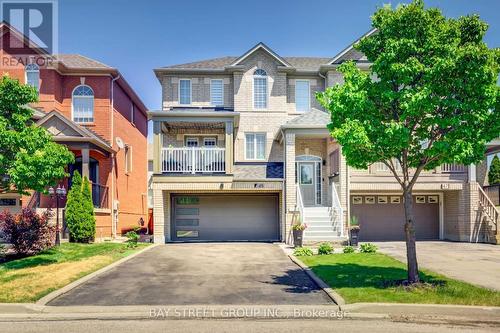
229, 147
290, 186
85, 163
157, 145
158, 216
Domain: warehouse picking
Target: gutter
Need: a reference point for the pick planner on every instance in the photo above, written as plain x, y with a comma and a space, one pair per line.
113, 158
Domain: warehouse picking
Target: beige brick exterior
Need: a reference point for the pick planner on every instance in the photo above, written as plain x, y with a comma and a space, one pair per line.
462, 218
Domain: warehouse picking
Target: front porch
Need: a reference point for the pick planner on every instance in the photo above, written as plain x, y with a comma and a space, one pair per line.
314, 183
93, 160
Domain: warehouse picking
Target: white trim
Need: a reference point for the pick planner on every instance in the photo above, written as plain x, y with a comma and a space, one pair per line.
254, 146
264, 47
210, 138
187, 138
190, 92
32, 71
316, 160
308, 95
93, 104
441, 204
211, 103
253, 90
350, 47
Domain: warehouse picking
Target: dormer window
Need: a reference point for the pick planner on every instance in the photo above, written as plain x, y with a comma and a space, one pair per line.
260, 89
33, 76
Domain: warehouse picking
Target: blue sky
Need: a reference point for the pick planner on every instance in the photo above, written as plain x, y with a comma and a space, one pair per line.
137, 36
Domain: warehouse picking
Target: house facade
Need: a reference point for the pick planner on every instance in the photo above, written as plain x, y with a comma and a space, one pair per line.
90, 108
241, 151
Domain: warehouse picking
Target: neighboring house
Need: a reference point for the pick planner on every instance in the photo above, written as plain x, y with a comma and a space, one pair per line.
90, 108
241, 151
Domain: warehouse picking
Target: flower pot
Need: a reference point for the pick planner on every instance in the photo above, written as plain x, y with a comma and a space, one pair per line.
297, 237
354, 236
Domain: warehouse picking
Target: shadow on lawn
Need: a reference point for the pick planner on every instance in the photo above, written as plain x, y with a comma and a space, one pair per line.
342, 275
19, 262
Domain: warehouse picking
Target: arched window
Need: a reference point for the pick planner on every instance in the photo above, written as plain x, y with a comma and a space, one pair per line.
260, 89
83, 104
33, 76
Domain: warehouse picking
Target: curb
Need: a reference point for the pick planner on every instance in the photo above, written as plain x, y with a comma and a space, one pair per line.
49, 297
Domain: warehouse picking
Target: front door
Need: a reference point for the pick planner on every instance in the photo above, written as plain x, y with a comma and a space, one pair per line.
307, 183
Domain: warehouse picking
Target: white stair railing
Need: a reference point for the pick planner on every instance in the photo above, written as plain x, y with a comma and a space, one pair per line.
337, 211
300, 203
489, 208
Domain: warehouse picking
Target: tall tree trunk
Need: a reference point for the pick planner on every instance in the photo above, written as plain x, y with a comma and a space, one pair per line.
411, 250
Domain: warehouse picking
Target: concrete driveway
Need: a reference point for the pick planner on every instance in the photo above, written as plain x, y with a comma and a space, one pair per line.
478, 264
205, 273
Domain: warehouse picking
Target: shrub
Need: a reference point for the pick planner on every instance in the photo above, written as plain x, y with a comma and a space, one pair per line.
325, 248
3, 250
80, 210
368, 248
132, 238
494, 172
303, 252
28, 232
348, 249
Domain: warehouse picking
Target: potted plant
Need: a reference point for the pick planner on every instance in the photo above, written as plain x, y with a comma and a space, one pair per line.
298, 232
354, 231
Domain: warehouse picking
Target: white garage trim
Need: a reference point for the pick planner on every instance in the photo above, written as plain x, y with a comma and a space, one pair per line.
439, 194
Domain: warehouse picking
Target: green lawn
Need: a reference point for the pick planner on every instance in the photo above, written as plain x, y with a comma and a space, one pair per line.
360, 277
31, 278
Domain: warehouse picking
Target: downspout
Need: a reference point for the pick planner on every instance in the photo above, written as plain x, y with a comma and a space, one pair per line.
114, 214
284, 214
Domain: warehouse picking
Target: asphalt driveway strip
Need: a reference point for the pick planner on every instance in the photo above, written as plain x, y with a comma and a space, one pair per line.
201, 274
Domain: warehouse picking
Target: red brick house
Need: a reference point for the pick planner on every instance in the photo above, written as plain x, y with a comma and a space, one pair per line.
89, 107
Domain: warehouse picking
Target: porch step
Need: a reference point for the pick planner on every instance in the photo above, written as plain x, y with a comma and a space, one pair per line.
317, 218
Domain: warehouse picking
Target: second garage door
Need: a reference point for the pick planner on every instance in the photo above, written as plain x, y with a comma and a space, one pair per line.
225, 218
381, 217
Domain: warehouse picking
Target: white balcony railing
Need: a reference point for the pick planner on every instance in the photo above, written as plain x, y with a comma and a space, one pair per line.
453, 168
193, 160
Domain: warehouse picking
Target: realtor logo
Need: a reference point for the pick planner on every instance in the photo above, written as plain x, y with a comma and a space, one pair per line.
36, 20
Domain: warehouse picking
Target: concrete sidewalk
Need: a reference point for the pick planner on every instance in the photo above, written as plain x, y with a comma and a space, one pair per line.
369, 311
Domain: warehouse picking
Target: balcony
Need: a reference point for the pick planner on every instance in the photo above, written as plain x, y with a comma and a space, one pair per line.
193, 160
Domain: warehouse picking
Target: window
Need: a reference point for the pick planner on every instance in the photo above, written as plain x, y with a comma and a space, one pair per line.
8, 202
306, 174
83, 104
184, 91
302, 95
191, 142
128, 159
260, 89
255, 146
217, 92
209, 142
33, 76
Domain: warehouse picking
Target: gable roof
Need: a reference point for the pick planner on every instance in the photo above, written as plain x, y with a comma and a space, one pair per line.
261, 46
311, 119
79, 133
301, 63
350, 53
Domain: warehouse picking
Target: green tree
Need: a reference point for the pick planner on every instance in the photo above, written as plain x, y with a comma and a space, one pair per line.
80, 210
29, 159
494, 172
430, 97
